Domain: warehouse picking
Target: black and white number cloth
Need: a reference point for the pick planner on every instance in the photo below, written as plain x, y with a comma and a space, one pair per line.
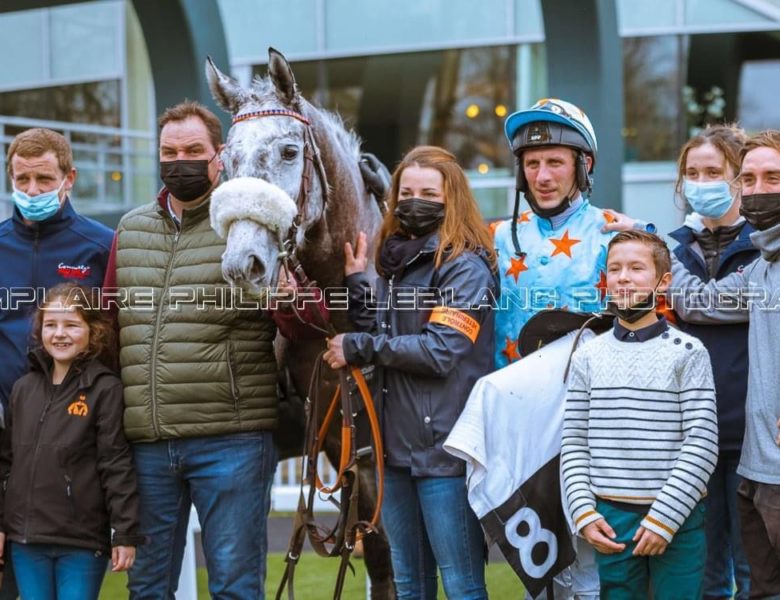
509, 434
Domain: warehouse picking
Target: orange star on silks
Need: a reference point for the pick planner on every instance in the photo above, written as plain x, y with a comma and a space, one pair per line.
492, 227
510, 350
609, 217
518, 266
601, 284
524, 217
563, 245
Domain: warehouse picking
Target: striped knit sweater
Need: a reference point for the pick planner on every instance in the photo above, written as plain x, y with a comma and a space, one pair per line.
640, 427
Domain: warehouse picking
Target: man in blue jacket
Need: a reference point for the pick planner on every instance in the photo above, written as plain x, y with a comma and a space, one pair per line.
44, 243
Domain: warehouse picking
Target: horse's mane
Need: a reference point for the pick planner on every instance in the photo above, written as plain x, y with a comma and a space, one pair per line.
262, 87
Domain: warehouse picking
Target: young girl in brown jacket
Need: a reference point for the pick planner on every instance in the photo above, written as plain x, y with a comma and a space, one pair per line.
65, 465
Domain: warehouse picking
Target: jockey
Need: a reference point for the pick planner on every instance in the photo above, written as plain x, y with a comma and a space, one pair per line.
554, 255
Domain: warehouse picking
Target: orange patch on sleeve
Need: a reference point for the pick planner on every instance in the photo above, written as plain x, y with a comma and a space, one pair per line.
658, 523
585, 516
457, 320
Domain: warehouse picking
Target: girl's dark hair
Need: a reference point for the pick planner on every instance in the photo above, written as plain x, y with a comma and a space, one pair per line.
86, 302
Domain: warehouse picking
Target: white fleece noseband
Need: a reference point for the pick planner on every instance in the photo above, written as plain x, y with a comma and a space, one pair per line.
253, 199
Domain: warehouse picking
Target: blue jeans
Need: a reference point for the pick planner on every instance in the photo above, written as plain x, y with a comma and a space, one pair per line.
52, 572
429, 522
726, 561
9, 589
228, 479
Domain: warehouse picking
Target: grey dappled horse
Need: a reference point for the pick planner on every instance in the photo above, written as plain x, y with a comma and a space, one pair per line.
267, 144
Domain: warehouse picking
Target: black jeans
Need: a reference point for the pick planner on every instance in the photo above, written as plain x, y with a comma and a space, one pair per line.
759, 513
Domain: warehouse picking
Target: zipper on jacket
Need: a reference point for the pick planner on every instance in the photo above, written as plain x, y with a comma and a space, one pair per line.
416, 256
69, 492
384, 317
36, 248
36, 449
231, 376
156, 335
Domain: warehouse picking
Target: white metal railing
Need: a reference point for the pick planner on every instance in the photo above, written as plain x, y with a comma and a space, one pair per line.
117, 168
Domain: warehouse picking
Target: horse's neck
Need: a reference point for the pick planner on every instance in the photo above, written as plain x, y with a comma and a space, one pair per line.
349, 211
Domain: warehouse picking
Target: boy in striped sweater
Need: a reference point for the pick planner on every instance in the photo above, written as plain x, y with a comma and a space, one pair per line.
640, 436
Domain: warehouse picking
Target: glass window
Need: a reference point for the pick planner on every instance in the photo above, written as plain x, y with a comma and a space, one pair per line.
98, 156
351, 25
457, 99
453, 98
27, 67
729, 13
759, 90
251, 26
79, 42
653, 75
84, 41
528, 18
638, 15
94, 103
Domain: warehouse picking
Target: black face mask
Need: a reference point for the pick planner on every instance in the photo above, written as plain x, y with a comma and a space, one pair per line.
419, 217
762, 211
631, 314
186, 180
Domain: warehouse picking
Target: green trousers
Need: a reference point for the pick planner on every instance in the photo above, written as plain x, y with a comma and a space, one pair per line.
677, 574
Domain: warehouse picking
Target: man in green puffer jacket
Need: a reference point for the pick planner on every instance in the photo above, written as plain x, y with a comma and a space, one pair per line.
199, 376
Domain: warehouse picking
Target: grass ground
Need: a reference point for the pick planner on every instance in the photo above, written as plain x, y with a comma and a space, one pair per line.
315, 577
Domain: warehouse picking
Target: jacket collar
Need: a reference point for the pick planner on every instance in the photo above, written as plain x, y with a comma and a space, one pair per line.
86, 370
579, 205
57, 222
768, 242
684, 235
191, 215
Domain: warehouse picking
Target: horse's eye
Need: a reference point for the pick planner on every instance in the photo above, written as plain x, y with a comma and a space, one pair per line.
289, 152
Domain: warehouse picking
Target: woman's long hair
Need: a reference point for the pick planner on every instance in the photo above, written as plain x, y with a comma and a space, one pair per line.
463, 228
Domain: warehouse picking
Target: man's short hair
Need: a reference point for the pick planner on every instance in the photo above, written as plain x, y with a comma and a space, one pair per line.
37, 142
190, 108
661, 257
765, 139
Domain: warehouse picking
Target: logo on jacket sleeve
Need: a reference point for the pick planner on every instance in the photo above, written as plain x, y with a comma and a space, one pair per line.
79, 408
71, 272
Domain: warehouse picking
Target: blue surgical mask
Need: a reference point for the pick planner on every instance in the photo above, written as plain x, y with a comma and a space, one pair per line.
711, 199
40, 207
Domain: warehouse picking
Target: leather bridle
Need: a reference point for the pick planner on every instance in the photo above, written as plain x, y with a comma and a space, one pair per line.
312, 164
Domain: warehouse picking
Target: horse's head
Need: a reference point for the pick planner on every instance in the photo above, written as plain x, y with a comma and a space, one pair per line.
254, 217
270, 142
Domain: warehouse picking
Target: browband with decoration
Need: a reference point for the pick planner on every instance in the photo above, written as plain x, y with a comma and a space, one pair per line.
271, 112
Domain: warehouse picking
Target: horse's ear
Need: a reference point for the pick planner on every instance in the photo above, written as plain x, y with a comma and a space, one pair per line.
282, 76
226, 91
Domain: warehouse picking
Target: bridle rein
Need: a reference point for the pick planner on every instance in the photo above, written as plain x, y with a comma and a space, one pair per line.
340, 539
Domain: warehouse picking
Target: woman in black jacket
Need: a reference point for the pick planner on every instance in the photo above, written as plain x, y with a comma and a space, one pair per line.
431, 334
66, 468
